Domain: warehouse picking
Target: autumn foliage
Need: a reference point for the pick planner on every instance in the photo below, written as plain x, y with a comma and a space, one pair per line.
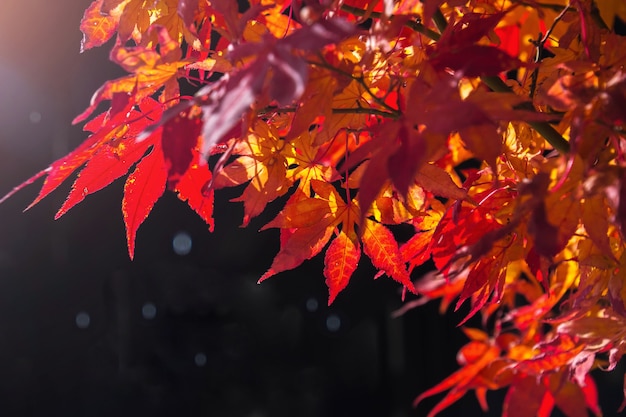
494, 128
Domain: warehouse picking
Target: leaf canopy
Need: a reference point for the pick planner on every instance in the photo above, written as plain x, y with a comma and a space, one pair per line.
493, 128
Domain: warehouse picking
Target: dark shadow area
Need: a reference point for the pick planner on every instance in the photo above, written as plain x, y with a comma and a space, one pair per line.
184, 330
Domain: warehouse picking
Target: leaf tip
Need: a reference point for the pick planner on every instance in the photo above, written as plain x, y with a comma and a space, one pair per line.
331, 298
30, 206
270, 272
130, 242
131, 250
411, 287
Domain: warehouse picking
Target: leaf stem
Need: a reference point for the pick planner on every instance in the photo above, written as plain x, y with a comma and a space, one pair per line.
361, 81
540, 48
440, 21
545, 129
353, 110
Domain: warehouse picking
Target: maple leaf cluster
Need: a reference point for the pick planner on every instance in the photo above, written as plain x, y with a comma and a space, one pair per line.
494, 128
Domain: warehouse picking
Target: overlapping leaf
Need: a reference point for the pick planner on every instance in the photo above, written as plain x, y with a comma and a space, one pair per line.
307, 224
368, 114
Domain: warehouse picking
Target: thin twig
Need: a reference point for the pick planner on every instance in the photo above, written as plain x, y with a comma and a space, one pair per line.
359, 79
545, 129
540, 46
556, 20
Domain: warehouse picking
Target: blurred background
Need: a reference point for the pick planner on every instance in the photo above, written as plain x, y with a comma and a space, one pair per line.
183, 329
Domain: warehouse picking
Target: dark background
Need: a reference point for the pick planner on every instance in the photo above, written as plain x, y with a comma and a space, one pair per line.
86, 332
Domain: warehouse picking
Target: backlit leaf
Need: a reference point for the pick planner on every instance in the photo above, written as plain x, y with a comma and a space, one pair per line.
382, 249
97, 27
307, 224
110, 127
319, 91
340, 261
300, 245
524, 397
418, 248
193, 187
459, 382
438, 182
553, 355
144, 186
110, 163
567, 395
305, 164
595, 218
303, 212
180, 141
262, 164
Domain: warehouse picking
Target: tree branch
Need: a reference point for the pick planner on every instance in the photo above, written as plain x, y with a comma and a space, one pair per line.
353, 110
361, 81
546, 130
415, 25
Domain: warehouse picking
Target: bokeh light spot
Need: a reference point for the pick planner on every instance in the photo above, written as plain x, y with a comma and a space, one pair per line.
148, 311
200, 359
182, 243
312, 305
34, 117
83, 320
333, 323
